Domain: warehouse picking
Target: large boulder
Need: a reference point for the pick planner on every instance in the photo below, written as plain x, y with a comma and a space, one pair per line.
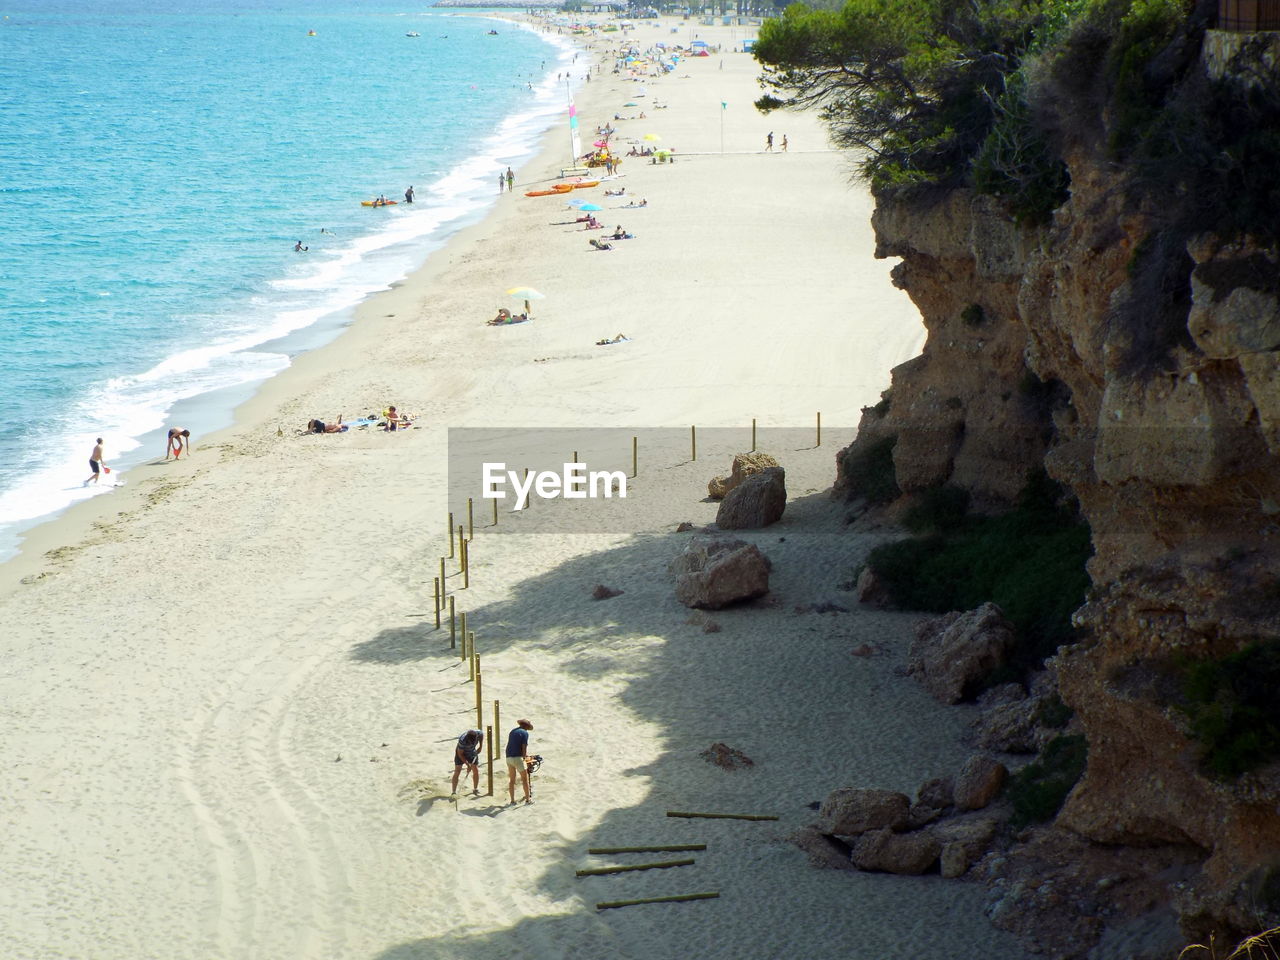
871, 589
744, 465
714, 572
757, 501
978, 782
953, 652
906, 853
964, 841
850, 811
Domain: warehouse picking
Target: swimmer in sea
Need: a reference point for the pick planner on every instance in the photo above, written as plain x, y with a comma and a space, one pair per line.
299, 248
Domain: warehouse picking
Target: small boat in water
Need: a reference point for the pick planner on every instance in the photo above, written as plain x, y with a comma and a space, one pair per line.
413, 33
378, 203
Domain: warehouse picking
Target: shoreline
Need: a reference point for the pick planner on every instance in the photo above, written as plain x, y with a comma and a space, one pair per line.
237, 689
214, 409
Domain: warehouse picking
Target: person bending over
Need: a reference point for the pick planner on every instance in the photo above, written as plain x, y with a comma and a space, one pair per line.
467, 754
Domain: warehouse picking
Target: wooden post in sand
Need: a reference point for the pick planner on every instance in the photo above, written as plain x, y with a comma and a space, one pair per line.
819, 443
470, 649
490, 739
450, 534
453, 624
753, 434
495, 511
693, 443
437, 582
471, 526
463, 633
479, 699
635, 445
466, 559
444, 587
497, 717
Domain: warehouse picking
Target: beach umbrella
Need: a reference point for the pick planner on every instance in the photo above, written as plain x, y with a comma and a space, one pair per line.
526, 294
590, 206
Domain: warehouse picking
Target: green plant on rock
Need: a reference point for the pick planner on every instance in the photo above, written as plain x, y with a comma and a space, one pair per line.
1233, 709
870, 472
1039, 789
1030, 561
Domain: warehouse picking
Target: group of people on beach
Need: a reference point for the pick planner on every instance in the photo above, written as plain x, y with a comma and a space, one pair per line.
506, 179
466, 756
176, 444
391, 419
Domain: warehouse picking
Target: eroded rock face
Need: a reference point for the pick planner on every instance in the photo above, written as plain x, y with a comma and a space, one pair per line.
744, 465
1176, 467
851, 811
953, 652
714, 572
757, 501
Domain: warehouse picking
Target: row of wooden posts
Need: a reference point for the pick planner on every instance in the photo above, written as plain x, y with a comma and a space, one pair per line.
460, 548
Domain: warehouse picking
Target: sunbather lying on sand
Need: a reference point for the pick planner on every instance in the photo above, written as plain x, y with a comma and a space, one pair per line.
620, 338
627, 206
319, 426
505, 317
620, 192
620, 234
599, 245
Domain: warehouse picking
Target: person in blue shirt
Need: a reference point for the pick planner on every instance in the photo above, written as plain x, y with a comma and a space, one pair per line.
467, 754
518, 760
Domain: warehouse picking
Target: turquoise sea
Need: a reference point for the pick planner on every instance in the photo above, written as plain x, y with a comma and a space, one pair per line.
159, 159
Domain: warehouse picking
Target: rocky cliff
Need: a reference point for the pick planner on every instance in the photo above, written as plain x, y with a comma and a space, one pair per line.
1038, 356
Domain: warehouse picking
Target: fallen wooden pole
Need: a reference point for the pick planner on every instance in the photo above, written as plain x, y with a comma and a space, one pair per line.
723, 816
610, 904
661, 848
597, 871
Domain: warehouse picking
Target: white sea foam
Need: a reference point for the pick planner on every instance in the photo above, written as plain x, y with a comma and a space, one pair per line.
323, 286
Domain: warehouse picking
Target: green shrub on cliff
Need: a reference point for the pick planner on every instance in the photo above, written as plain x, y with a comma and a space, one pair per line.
908, 81
869, 472
1233, 708
1038, 790
1030, 561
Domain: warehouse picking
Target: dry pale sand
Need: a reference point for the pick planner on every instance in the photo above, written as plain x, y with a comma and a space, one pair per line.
228, 718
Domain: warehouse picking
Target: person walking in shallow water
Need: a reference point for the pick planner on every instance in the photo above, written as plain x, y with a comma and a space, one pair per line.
518, 760
511, 180
96, 464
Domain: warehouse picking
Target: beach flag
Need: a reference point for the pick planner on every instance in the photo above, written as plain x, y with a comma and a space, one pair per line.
575, 139
723, 105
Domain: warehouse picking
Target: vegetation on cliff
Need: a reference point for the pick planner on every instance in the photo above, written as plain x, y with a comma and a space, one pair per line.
994, 94
1233, 709
1029, 561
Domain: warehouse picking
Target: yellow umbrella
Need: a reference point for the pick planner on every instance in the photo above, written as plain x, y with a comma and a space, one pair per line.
652, 136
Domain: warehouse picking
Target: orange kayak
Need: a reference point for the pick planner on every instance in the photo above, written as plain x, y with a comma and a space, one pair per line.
542, 193
375, 203
589, 183
562, 187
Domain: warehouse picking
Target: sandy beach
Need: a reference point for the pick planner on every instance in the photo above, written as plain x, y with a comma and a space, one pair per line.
229, 719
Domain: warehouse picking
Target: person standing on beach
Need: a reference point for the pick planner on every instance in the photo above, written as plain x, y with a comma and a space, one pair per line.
95, 462
408, 195
502, 181
518, 760
178, 438
768, 143
784, 143
511, 180
467, 754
